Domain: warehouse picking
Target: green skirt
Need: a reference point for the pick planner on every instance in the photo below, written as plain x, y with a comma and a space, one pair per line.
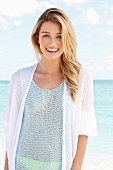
31, 164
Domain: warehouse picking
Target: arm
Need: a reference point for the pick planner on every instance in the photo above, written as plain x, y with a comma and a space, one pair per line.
6, 163
81, 147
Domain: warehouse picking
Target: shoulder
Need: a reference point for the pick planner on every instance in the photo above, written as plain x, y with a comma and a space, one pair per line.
85, 76
85, 72
23, 72
86, 69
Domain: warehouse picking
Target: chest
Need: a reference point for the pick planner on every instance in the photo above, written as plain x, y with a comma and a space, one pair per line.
47, 81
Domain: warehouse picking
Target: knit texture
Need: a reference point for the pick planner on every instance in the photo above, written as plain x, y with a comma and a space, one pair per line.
40, 141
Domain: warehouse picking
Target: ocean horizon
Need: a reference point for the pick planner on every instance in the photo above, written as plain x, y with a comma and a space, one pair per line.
99, 155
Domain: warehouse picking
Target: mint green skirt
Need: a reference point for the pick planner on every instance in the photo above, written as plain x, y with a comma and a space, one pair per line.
30, 164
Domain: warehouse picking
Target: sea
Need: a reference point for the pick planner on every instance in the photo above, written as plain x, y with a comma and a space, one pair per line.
99, 153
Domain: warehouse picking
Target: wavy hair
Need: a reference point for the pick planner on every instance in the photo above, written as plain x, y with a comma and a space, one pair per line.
70, 66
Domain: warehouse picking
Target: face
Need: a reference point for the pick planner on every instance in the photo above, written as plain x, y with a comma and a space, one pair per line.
50, 40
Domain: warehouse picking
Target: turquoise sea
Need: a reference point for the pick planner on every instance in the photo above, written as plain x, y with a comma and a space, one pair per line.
100, 150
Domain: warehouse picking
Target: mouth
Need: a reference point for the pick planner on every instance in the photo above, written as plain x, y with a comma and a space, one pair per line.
52, 50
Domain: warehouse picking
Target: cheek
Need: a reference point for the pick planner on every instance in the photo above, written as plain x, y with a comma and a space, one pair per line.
60, 43
42, 43
61, 46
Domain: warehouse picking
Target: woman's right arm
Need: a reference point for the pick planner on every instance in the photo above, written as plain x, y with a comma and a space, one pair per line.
6, 163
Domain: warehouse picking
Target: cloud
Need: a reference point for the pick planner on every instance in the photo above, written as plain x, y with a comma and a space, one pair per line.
99, 67
110, 22
80, 1
3, 22
72, 2
92, 16
16, 8
17, 22
111, 56
110, 33
111, 8
109, 62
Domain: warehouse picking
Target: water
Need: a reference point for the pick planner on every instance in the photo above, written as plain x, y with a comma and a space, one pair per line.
103, 100
101, 148
4, 87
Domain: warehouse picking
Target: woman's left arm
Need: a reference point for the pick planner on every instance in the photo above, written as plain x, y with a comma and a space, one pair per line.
81, 148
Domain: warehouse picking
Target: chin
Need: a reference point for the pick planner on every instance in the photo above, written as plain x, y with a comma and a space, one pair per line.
52, 57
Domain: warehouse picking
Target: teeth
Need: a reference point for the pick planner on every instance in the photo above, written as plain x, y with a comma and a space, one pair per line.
54, 50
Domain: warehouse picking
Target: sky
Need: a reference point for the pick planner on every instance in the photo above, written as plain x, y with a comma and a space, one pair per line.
91, 19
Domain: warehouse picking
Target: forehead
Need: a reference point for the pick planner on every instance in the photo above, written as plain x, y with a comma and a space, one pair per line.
50, 26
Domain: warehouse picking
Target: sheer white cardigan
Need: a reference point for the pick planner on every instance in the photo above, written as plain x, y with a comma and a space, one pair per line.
78, 118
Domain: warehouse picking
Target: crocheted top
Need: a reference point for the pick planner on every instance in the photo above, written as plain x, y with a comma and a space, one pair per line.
40, 141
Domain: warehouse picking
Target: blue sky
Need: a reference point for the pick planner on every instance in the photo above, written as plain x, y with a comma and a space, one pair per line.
92, 20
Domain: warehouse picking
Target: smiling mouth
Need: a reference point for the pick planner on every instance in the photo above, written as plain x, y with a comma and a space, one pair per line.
52, 50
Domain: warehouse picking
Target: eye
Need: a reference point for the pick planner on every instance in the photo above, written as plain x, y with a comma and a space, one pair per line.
59, 37
45, 35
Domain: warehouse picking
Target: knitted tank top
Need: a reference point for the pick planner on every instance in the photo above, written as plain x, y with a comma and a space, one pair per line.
40, 141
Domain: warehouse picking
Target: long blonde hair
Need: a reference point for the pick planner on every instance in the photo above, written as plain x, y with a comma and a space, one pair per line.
70, 66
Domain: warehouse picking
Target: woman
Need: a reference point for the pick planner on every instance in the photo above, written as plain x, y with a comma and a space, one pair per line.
50, 114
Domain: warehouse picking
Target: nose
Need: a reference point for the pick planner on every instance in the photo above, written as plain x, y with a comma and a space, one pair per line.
52, 41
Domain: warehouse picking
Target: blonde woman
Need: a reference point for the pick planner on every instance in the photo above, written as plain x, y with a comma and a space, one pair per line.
50, 115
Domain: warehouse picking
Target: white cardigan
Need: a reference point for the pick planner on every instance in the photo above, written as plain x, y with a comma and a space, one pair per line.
78, 118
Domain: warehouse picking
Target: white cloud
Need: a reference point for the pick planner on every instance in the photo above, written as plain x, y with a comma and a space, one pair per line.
15, 8
110, 59
17, 22
111, 56
92, 16
80, 1
3, 22
109, 33
71, 2
111, 8
110, 22
68, 2
99, 67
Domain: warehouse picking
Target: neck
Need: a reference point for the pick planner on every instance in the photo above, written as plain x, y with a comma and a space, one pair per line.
49, 67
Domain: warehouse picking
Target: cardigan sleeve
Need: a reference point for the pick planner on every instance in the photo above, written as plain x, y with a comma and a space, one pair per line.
87, 119
13, 99
8, 103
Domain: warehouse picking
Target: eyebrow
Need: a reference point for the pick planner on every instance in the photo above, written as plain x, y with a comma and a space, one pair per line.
48, 32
